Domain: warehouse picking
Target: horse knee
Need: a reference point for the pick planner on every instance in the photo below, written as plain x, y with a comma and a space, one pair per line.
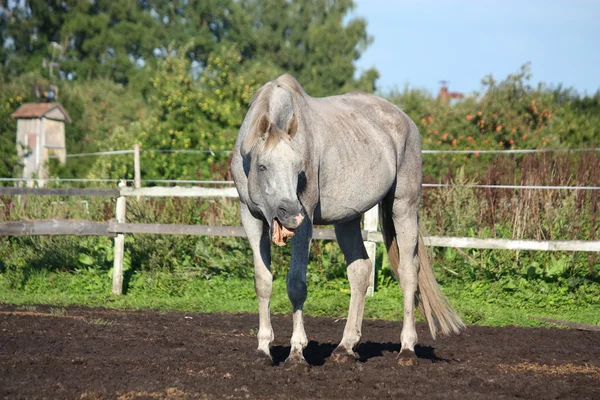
358, 274
263, 283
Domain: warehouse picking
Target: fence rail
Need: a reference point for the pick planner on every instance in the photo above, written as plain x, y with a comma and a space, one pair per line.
84, 192
112, 228
449, 151
55, 227
148, 191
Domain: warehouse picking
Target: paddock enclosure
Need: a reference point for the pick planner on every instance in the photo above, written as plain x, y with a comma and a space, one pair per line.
83, 353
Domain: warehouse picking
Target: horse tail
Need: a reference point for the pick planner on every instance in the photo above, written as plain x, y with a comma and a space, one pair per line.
430, 300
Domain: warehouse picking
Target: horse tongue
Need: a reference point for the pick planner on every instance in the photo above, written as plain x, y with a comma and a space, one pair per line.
280, 234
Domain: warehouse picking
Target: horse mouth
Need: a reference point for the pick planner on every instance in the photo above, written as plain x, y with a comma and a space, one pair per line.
281, 234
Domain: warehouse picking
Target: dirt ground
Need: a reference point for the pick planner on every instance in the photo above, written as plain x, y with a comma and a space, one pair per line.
80, 353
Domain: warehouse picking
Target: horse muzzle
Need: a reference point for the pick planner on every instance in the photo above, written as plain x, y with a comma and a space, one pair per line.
283, 230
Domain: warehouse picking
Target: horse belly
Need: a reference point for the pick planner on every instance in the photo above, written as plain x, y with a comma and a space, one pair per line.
344, 200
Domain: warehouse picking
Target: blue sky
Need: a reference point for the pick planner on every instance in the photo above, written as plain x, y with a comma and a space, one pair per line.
420, 42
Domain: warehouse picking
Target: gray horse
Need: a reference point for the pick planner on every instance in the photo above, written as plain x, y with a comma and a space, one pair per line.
300, 161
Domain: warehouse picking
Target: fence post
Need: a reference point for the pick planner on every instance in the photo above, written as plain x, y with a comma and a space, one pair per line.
117, 278
137, 168
370, 225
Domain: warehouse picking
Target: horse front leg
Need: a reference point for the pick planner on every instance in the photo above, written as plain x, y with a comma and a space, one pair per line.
258, 235
296, 289
359, 267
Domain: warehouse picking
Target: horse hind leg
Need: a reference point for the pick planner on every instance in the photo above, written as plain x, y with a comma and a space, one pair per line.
405, 223
359, 266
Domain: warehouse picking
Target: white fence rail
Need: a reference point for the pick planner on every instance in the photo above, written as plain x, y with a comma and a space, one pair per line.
229, 183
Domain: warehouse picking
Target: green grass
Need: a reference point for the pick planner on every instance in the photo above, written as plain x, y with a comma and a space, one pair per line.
482, 304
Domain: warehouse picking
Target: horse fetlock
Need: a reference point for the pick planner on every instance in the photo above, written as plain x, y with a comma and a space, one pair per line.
408, 337
265, 336
350, 340
299, 342
264, 345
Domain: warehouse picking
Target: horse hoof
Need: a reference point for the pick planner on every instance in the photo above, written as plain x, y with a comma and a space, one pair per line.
262, 358
341, 356
296, 362
407, 358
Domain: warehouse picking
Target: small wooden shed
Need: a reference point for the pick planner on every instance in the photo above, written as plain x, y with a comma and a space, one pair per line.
40, 133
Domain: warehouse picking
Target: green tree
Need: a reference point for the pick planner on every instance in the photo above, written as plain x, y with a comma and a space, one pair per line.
577, 117
311, 40
11, 97
190, 114
510, 114
116, 40
92, 39
6, 48
308, 38
201, 26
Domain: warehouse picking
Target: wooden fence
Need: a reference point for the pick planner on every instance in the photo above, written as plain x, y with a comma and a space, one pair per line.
119, 227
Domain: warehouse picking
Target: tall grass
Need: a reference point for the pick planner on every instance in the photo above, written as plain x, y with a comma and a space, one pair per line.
552, 214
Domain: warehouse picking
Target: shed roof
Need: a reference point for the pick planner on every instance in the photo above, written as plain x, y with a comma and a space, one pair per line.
39, 110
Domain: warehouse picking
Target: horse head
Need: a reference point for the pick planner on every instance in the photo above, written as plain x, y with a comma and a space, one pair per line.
275, 168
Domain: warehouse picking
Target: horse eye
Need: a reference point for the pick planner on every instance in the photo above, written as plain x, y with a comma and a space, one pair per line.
262, 168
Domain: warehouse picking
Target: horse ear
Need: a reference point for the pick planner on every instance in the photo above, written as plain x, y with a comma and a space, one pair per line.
260, 129
264, 126
292, 126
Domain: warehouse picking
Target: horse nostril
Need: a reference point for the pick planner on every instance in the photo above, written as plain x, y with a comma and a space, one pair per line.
282, 211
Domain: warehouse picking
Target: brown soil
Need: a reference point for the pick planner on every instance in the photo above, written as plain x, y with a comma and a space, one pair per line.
82, 353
